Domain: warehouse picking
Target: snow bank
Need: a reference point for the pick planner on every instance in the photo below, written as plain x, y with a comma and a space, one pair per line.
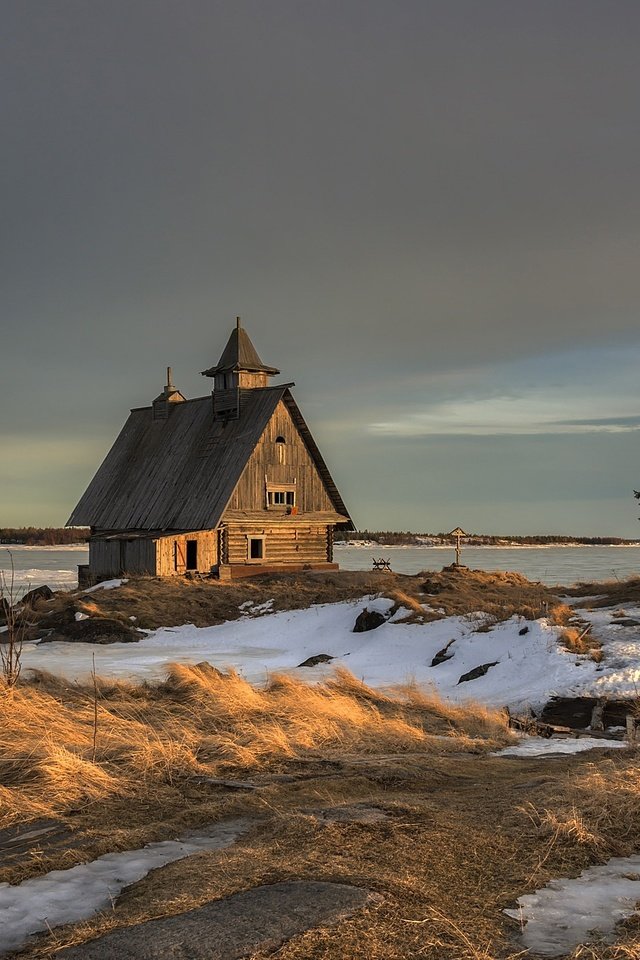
66, 896
528, 671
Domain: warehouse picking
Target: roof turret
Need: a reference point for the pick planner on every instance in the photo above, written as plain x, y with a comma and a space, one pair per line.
240, 355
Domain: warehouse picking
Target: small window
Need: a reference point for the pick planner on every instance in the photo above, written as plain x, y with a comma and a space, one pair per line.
280, 496
256, 548
281, 448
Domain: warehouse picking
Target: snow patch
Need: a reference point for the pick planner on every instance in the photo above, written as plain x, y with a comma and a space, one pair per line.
566, 913
256, 609
66, 896
540, 746
105, 585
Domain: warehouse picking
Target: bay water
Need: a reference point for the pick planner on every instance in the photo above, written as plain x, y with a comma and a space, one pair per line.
57, 566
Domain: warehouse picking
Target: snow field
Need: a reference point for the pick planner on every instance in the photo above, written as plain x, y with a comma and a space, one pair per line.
529, 669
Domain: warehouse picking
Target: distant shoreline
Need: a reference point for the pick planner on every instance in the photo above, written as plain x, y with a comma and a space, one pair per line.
372, 544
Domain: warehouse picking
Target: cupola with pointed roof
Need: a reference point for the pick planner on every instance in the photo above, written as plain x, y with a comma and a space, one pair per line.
239, 368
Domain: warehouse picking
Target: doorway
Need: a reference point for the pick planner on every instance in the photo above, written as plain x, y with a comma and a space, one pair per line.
192, 554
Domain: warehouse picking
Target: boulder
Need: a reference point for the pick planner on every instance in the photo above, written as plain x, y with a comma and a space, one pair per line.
38, 593
477, 672
314, 661
443, 655
95, 630
368, 620
432, 587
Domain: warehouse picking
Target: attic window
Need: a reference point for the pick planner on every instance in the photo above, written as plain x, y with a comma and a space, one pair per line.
280, 496
281, 448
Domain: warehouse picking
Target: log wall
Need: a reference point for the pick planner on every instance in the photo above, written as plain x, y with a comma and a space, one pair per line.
288, 542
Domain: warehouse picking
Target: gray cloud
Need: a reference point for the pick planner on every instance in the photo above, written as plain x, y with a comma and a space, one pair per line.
395, 196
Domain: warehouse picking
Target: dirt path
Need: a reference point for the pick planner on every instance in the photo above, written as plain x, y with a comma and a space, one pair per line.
445, 842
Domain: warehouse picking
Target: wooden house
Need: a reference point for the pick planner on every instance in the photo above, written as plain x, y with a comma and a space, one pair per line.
232, 483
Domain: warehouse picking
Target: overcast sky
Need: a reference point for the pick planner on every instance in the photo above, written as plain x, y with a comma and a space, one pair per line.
426, 213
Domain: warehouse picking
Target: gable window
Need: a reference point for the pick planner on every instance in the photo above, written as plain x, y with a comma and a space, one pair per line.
281, 498
255, 548
281, 449
281, 495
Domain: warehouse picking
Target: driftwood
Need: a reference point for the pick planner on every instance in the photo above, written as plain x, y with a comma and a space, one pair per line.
534, 727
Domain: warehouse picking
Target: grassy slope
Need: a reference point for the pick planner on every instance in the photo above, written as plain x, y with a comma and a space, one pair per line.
465, 833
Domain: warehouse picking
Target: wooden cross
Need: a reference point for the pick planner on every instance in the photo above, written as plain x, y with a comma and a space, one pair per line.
458, 533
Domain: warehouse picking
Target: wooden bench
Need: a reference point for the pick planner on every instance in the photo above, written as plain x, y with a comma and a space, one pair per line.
381, 564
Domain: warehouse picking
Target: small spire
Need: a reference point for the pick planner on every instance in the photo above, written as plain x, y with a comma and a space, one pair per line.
240, 355
170, 395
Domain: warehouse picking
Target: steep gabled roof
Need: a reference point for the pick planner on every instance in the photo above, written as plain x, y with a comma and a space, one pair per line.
180, 473
177, 473
240, 354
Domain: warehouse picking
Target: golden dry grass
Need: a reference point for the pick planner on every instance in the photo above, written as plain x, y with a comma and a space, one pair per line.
608, 593
202, 723
165, 602
599, 809
464, 835
497, 595
581, 642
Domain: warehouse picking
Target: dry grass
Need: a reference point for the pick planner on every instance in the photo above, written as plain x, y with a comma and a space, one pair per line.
498, 595
165, 602
581, 642
599, 809
456, 846
202, 723
608, 593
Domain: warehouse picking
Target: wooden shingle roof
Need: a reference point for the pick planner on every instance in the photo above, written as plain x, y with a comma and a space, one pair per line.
240, 354
180, 473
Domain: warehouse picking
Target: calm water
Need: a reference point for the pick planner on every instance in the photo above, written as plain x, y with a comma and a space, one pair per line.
548, 564
57, 566
33, 566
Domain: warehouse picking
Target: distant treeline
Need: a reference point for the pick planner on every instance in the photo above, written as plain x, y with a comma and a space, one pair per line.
43, 536
393, 538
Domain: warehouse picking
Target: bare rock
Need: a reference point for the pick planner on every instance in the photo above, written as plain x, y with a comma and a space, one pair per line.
477, 672
38, 593
314, 661
368, 620
258, 920
443, 655
95, 630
